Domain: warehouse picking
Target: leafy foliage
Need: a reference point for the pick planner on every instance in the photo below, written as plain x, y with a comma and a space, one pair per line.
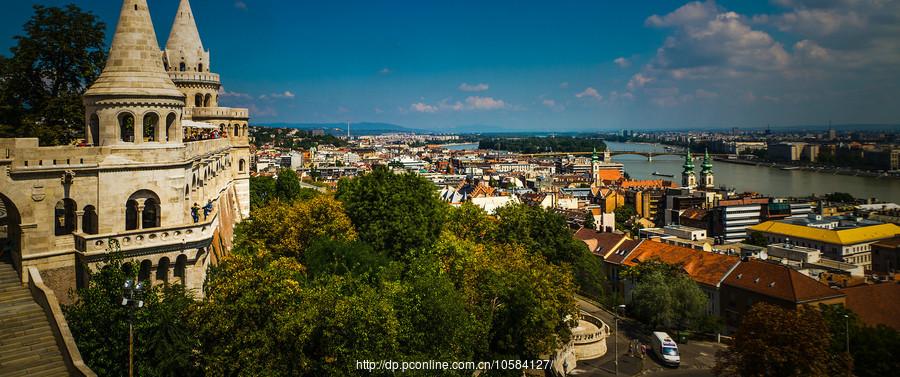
60, 55
287, 229
666, 297
394, 213
872, 348
535, 144
99, 323
772, 341
262, 190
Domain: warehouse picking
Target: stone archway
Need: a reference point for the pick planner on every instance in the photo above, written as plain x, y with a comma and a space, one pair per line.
10, 231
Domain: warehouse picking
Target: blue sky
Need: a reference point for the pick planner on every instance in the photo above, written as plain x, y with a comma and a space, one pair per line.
541, 65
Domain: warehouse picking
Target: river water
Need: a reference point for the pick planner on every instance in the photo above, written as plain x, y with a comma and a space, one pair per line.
764, 180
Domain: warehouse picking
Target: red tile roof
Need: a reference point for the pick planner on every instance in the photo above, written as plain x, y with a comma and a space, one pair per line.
597, 242
875, 303
779, 281
702, 266
622, 252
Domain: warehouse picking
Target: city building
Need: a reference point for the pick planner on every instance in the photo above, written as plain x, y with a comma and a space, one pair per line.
157, 144
688, 178
840, 239
707, 179
886, 256
732, 217
754, 281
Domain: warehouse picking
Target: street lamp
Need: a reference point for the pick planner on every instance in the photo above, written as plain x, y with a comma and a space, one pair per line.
616, 336
132, 298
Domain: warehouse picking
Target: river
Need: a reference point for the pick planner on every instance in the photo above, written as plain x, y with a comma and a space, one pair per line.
764, 180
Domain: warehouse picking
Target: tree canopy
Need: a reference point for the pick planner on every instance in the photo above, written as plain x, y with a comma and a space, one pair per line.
60, 54
666, 297
772, 341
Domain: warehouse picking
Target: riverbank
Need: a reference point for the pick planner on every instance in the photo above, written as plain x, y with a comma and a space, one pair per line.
817, 169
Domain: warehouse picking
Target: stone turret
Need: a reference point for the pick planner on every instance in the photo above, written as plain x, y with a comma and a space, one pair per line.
188, 62
706, 173
133, 101
688, 179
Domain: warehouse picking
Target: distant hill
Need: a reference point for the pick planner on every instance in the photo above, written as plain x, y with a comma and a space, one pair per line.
363, 128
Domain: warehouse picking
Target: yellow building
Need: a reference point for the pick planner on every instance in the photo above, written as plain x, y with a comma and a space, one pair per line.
846, 244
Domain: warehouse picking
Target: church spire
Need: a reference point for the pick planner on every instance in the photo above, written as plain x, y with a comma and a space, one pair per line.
134, 65
184, 49
707, 163
688, 163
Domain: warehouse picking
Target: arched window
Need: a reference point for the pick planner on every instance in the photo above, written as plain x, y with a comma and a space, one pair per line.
237, 130
95, 130
162, 270
126, 127
198, 100
181, 267
144, 272
200, 67
170, 127
181, 67
131, 211
64, 217
150, 215
89, 223
241, 165
206, 100
151, 124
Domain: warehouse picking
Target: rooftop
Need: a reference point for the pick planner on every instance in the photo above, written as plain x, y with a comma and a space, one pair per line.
704, 267
876, 304
849, 236
779, 281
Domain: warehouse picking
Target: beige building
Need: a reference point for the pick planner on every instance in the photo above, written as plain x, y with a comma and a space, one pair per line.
157, 143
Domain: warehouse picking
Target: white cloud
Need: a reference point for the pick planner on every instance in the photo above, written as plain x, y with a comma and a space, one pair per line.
378, 110
385, 71
564, 85
622, 62
553, 105
589, 93
226, 94
638, 80
549, 102
420, 107
240, 5
485, 103
480, 87
287, 94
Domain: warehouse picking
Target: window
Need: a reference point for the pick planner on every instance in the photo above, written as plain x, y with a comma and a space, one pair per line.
89, 223
170, 127
64, 217
126, 127
200, 67
241, 165
198, 100
181, 67
94, 128
151, 124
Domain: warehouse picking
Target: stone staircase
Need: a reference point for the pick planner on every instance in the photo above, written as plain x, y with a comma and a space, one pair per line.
27, 344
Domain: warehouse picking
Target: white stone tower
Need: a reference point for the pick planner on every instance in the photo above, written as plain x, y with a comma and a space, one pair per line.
134, 101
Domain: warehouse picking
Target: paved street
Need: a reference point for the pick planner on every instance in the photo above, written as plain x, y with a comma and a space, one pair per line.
698, 357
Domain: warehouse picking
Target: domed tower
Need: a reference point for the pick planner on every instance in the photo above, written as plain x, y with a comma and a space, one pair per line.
133, 101
188, 62
706, 173
688, 179
595, 168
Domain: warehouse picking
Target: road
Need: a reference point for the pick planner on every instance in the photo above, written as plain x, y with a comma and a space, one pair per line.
698, 357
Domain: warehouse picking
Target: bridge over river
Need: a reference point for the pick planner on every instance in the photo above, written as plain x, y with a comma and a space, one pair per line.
646, 154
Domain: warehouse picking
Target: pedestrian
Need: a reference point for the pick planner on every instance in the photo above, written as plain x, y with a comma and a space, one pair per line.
207, 209
195, 212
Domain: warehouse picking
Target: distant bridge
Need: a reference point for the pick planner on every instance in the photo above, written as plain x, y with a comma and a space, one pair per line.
648, 155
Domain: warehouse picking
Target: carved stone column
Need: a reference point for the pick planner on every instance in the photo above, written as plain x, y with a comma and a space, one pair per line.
79, 221
140, 213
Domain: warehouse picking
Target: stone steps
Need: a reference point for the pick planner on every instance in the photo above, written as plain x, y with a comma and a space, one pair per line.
27, 345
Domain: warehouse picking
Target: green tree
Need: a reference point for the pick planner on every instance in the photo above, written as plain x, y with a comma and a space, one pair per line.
288, 229
393, 212
60, 54
589, 221
262, 190
873, 349
163, 341
666, 297
772, 341
840, 197
546, 233
287, 186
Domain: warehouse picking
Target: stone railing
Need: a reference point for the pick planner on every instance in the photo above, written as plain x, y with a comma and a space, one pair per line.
172, 237
195, 76
216, 112
205, 147
601, 332
47, 300
589, 338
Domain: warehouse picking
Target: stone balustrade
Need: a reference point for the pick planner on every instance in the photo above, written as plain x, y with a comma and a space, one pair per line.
194, 77
217, 113
590, 337
173, 237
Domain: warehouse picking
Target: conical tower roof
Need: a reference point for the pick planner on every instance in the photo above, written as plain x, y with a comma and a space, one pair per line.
184, 36
688, 163
135, 65
707, 163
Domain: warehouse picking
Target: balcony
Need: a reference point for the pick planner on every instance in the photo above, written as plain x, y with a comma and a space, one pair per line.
147, 241
197, 113
212, 78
